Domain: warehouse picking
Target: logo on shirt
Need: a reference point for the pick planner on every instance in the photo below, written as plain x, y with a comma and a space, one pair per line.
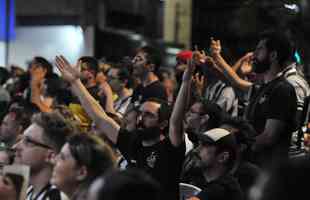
151, 160
262, 99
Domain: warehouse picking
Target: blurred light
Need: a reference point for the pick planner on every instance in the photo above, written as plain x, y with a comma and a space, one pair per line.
73, 36
135, 37
173, 51
293, 7
297, 57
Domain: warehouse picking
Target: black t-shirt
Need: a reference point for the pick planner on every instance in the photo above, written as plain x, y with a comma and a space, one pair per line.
274, 100
223, 188
247, 174
155, 89
162, 161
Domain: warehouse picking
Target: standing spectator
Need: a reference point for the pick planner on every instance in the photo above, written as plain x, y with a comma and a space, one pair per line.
273, 104
145, 67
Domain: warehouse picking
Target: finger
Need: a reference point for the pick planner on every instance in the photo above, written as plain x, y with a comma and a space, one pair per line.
196, 47
60, 61
203, 52
65, 60
79, 65
58, 65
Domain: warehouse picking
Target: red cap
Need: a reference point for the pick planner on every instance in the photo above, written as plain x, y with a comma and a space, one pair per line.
184, 55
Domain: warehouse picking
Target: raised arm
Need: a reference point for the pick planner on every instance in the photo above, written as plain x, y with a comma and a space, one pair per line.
229, 73
242, 61
104, 123
37, 78
176, 132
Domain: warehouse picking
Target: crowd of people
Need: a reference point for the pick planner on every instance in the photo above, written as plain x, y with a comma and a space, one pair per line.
136, 129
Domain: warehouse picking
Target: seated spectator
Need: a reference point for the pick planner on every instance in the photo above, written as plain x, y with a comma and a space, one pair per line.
218, 153
202, 116
128, 184
82, 159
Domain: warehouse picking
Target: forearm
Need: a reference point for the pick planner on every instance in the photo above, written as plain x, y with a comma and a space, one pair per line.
230, 74
176, 121
104, 123
237, 65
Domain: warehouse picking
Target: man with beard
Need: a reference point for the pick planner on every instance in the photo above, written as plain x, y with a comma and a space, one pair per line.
145, 67
273, 104
217, 154
156, 147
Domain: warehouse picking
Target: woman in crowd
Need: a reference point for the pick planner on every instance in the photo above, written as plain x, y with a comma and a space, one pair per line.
82, 159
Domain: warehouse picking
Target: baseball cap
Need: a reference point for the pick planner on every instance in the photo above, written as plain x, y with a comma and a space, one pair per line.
184, 56
218, 136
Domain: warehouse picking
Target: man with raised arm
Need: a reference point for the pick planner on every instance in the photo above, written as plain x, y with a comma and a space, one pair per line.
273, 104
156, 147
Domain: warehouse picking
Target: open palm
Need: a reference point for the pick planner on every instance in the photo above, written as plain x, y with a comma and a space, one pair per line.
69, 73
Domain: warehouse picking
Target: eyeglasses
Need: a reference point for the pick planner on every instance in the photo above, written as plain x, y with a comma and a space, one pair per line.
27, 141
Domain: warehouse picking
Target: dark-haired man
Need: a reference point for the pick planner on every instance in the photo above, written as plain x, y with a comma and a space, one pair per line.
145, 67
151, 148
273, 104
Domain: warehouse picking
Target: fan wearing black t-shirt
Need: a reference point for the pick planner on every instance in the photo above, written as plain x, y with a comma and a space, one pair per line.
155, 147
145, 66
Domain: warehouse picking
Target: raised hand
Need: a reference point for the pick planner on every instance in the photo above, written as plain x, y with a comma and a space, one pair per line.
69, 73
199, 82
246, 65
